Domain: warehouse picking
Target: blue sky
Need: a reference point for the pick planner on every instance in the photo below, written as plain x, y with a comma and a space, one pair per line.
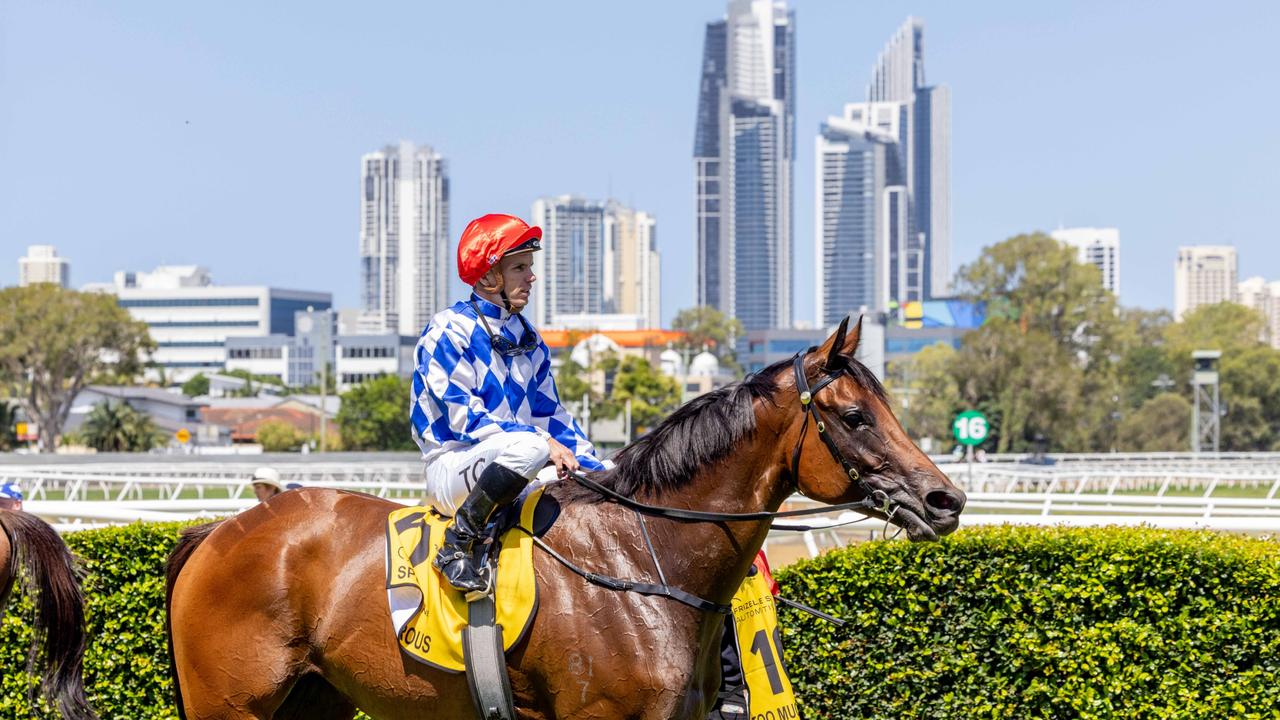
229, 134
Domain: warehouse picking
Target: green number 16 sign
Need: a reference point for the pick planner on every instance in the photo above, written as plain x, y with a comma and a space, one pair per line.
970, 428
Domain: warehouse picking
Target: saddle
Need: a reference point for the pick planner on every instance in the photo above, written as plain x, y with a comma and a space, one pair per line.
427, 613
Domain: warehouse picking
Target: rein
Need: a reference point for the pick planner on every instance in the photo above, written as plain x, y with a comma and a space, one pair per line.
872, 500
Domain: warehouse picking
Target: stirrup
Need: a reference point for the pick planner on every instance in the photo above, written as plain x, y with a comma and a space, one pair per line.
473, 595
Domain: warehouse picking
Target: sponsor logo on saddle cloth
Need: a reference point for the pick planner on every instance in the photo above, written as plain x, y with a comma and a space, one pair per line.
755, 617
428, 615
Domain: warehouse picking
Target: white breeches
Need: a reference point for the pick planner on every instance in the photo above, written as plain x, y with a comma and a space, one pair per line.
451, 476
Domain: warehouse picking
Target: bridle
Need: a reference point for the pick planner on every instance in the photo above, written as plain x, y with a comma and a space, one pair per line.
811, 413
872, 500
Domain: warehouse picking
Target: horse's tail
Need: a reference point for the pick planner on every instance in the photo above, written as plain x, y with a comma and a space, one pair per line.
52, 580
189, 539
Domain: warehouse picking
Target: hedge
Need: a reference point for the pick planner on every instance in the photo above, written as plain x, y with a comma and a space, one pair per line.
1040, 623
989, 623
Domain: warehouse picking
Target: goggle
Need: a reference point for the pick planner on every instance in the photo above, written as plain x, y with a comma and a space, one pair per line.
504, 346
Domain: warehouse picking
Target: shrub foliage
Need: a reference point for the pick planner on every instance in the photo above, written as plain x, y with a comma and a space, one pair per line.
990, 623
1040, 623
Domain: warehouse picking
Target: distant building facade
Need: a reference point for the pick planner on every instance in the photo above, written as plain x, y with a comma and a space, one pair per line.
865, 254
405, 258
744, 148
1099, 247
598, 261
883, 201
190, 318
1203, 275
1264, 297
42, 265
632, 272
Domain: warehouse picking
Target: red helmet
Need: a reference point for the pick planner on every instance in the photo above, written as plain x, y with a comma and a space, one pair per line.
488, 238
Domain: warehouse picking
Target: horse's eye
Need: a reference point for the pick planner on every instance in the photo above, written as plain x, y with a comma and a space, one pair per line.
856, 418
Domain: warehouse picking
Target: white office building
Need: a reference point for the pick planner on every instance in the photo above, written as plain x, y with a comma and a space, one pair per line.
42, 265
1204, 275
405, 258
1264, 297
1099, 247
190, 318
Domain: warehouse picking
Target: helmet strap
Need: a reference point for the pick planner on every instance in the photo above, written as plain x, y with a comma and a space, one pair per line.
506, 301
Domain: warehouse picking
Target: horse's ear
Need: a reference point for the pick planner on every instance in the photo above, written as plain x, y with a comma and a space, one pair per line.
851, 340
833, 347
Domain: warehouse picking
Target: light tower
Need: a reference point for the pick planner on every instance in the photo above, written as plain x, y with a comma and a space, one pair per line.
1206, 418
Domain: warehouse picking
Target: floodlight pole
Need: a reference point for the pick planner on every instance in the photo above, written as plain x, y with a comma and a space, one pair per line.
1206, 416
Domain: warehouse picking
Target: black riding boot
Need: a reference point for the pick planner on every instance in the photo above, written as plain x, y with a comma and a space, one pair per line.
496, 487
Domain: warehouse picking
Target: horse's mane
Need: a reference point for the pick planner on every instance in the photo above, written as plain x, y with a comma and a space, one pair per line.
699, 433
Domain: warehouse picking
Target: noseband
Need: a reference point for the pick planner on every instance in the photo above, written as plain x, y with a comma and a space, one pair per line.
879, 497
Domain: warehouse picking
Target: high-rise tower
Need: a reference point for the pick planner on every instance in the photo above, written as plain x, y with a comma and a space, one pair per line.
744, 147
898, 76
405, 263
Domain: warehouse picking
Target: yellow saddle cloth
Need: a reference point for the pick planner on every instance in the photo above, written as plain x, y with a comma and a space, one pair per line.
428, 615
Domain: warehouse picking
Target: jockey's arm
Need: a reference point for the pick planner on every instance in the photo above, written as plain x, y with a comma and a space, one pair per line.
550, 414
447, 402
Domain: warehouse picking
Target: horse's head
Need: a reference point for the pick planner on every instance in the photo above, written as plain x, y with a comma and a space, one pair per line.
854, 446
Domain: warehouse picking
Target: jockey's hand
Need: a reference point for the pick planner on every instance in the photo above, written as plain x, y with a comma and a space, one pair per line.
562, 458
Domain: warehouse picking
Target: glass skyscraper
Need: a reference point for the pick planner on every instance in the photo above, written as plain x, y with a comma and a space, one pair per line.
744, 146
883, 206
898, 77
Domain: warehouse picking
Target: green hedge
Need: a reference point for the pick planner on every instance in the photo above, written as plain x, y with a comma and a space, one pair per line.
990, 623
1038, 623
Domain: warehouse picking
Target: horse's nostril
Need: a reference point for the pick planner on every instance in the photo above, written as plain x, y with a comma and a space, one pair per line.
946, 502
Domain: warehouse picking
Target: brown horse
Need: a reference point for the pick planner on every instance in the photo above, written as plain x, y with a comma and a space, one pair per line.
281, 612
50, 577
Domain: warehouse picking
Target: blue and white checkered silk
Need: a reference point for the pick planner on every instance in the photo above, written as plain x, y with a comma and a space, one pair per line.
465, 392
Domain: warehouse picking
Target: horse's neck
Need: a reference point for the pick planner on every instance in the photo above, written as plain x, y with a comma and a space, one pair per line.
711, 559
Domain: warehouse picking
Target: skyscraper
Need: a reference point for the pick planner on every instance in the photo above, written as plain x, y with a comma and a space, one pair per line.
1203, 275
861, 212
42, 265
571, 266
632, 279
898, 77
1096, 246
405, 263
598, 258
744, 147
883, 207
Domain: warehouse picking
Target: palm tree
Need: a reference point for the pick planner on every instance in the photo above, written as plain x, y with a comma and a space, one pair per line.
117, 427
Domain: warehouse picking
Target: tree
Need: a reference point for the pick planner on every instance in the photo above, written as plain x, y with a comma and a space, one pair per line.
8, 425
375, 415
53, 340
198, 385
706, 327
115, 426
926, 391
653, 395
571, 382
1249, 371
280, 436
1162, 424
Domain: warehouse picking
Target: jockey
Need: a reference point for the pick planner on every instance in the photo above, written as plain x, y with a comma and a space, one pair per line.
485, 410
